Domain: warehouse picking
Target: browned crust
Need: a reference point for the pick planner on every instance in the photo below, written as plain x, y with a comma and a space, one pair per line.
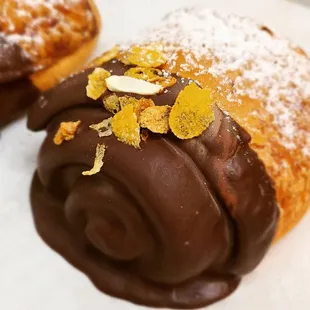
63, 36
49, 77
292, 180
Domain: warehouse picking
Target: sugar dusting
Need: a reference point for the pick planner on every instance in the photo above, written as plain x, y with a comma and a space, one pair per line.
277, 71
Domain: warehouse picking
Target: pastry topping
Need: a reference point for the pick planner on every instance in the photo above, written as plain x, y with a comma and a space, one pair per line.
97, 83
166, 82
146, 57
98, 162
128, 84
192, 112
151, 75
141, 105
125, 100
123, 57
202, 42
111, 103
105, 57
125, 126
156, 119
66, 132
103, 128
147, 74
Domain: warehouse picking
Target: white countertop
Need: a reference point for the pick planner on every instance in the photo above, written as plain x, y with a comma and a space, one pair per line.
32, 277
305, 2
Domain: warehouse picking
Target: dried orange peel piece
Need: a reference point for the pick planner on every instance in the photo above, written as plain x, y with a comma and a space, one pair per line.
139, 105
66, 132
98, 162
147, 57
96, 83
146, 74
192, 113
166, 82
151, 75
105, 57
111, 103
123, 57
126, 100
125, 126
103, 128
156, 119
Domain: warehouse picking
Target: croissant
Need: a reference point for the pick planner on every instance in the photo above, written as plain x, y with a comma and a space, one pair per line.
170, 164
39, 46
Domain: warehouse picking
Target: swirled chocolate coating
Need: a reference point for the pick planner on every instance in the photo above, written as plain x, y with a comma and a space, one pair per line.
175, 224
16, 90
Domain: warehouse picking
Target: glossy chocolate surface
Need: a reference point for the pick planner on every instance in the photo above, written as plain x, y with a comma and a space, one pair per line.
16, 90
175, 224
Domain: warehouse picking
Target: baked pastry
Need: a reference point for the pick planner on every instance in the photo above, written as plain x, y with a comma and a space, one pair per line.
163, 181
16, 90
40, 45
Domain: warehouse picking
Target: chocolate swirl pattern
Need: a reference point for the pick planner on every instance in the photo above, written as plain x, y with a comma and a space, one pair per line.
175, 224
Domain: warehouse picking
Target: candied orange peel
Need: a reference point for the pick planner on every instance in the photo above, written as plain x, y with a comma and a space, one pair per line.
111, 103
166, 82
96, 83
103, 128
146, 74
156, 119
151, 75
123, 57
98, 162
192, 112
105, 57
148, 57
141, 105
138, 104
66, 132
126, 100
125, 126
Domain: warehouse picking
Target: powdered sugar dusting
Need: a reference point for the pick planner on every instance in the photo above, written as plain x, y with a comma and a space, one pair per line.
277, 71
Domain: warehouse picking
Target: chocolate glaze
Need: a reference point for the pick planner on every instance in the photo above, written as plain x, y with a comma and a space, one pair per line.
16, 90
175, 224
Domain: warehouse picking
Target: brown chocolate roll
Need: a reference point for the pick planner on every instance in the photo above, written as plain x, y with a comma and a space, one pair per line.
165, 167
16, 90
173, 224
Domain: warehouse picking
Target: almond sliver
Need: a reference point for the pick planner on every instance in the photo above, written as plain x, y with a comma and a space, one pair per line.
127, 84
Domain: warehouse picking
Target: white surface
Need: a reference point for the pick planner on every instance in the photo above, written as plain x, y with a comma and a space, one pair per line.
32, 277
305, 2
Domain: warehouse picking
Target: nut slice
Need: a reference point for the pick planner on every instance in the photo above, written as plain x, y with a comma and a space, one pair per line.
128, 84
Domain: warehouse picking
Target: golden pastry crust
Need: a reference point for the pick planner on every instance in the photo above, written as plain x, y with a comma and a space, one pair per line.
262, 81
58, 35
50, 29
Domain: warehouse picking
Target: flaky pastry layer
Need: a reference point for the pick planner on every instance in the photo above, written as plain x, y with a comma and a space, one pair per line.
259, 79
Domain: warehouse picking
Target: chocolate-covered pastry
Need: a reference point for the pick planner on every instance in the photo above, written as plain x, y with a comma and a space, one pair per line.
167, 162
16, 90
173, 224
